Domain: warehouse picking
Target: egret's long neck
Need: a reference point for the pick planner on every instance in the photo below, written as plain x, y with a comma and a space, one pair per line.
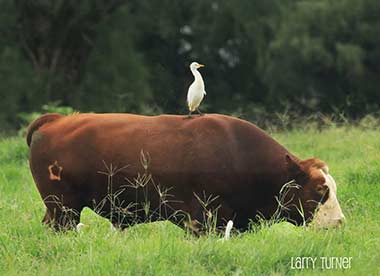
197, 75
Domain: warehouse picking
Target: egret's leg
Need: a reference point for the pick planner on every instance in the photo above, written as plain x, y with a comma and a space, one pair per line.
189, 116
200, 113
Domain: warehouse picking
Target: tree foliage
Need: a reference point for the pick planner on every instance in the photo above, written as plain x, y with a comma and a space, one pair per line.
133, 56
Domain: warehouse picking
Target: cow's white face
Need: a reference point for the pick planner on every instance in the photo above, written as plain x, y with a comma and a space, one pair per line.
316, 200
329, 213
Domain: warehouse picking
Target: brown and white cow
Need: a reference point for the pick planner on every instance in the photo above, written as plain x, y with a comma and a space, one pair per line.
197, 166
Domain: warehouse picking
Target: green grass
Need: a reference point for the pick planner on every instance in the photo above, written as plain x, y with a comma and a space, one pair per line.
353, 155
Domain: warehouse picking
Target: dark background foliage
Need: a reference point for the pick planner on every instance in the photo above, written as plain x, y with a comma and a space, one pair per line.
261, 56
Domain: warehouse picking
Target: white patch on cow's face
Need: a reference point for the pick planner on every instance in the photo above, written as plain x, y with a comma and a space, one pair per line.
329, 214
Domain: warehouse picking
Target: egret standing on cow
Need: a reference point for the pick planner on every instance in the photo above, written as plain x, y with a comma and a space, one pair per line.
196, 90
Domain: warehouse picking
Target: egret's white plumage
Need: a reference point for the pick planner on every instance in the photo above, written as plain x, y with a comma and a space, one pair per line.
196, 90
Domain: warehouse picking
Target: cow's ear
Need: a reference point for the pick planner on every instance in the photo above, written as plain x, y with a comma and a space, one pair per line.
295, 169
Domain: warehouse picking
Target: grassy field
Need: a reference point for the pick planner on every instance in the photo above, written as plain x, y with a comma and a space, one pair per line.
353, 155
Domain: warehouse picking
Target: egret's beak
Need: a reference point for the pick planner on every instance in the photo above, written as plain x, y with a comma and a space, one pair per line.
200, 65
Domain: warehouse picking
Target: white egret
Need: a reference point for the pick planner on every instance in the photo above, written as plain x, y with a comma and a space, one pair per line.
196, 90
80, 226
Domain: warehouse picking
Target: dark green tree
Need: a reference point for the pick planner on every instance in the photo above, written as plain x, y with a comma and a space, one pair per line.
326, 56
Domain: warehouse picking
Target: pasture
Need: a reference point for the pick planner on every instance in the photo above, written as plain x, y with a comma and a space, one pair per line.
353, 155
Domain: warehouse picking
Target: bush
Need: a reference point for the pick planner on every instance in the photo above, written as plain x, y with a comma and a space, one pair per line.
54, 107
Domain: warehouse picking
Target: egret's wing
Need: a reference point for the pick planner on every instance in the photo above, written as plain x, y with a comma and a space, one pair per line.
190, 95
204, 92
191, 92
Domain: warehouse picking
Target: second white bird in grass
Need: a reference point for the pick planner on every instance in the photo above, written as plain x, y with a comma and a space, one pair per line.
227, 233
196, 90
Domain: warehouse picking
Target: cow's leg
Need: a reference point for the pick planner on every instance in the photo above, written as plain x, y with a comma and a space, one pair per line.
117, 218
119, 226
47, 218
62, 217
119, 222
199, 220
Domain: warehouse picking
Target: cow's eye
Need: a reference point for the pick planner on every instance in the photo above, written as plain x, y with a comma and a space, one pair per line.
319, 189
323, 191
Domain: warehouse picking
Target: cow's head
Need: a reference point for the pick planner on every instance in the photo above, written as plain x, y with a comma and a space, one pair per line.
315, 199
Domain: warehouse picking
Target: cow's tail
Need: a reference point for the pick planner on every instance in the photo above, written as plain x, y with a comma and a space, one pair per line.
36, 124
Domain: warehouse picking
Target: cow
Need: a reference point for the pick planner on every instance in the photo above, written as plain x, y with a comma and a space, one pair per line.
131, 168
